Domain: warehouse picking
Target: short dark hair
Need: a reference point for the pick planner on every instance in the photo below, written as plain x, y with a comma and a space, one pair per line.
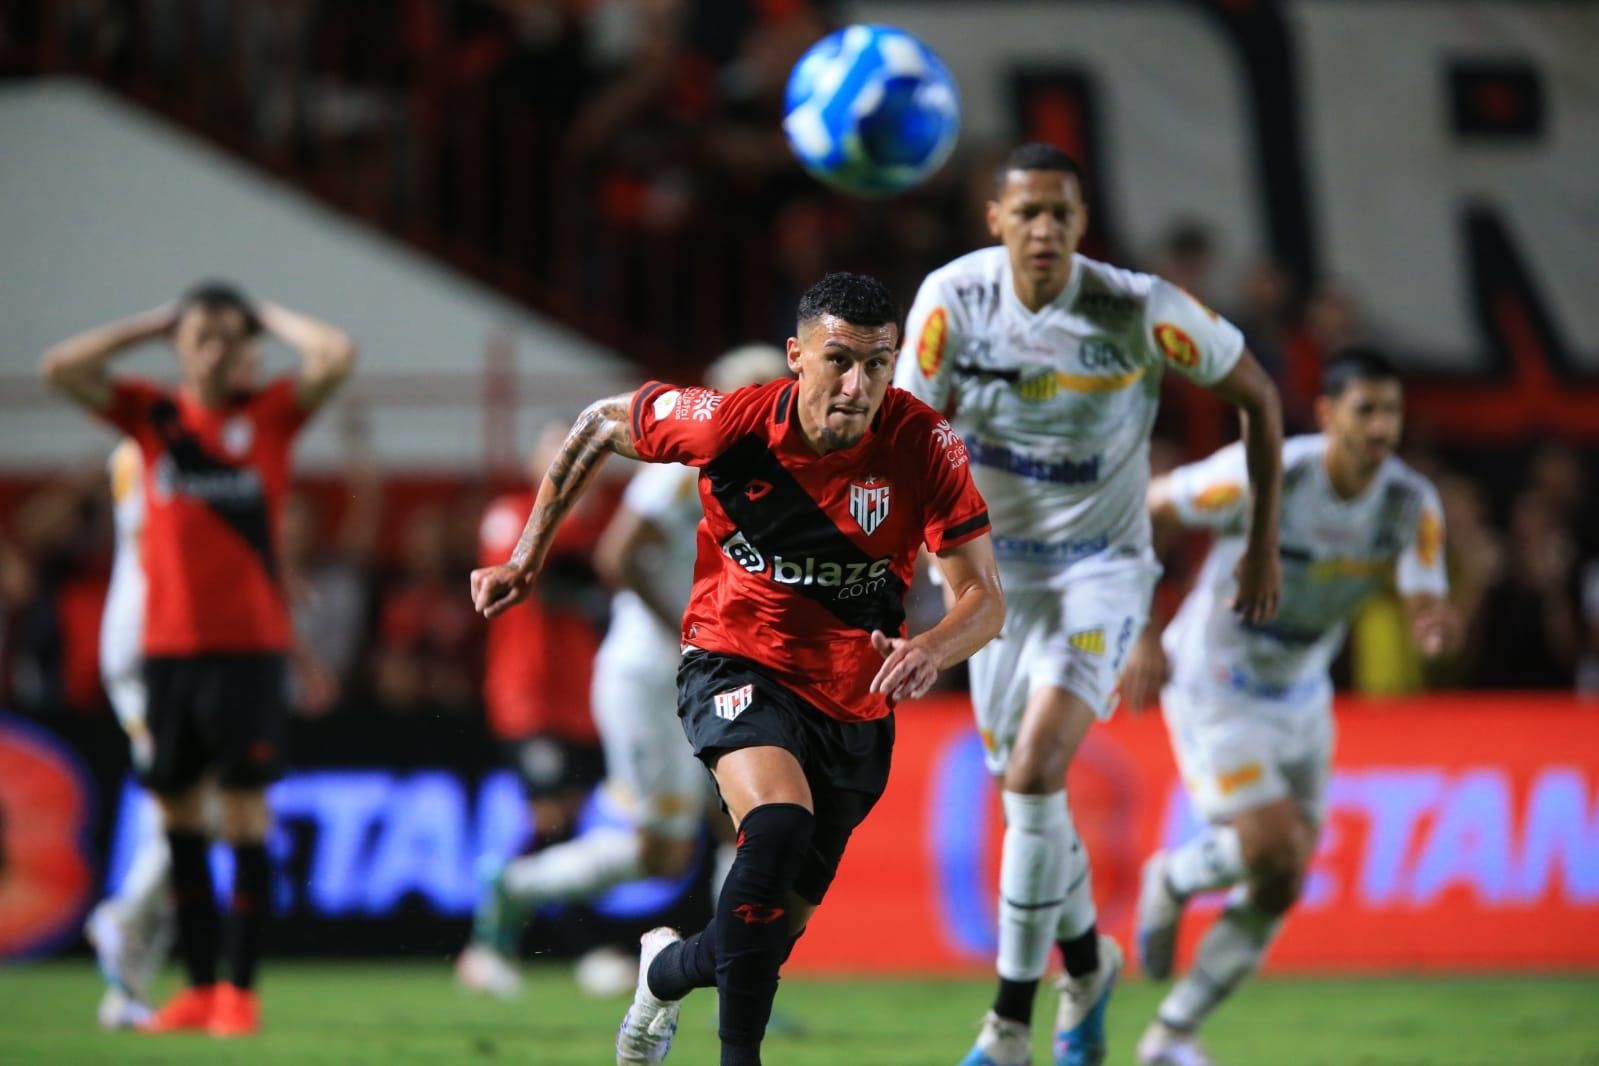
215, 294
856, 298
1035, 155
1359, 362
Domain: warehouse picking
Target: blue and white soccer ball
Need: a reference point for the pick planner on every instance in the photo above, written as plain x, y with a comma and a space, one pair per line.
871, 110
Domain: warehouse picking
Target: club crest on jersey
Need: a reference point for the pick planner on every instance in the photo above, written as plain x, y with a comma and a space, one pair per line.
1091, 641
1177, 345
733, 702
868, 503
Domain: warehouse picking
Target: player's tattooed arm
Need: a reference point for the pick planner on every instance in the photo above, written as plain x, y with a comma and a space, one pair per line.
1248, 387
77, 367
602, 429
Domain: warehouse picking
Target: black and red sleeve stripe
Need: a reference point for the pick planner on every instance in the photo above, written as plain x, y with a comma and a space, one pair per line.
963, 530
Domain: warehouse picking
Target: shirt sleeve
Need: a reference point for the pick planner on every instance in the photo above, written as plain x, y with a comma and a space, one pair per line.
1189, 336
131, 400
1213, 492
278, 405
1421, 569
926, 361
955, 511
672, 424
656, 491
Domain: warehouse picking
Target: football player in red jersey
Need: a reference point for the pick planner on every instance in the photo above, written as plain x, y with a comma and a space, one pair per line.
216, 628
817, 494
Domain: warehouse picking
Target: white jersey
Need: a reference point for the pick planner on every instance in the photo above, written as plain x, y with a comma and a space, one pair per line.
122, 623
1334, 553
1056, 406
665, 494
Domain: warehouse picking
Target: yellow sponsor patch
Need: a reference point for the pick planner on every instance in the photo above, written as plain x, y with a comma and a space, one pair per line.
1215, 497
1177, 346
987, 739
1048, 386
1233, 780
1091, 641
1429, 537
930, 346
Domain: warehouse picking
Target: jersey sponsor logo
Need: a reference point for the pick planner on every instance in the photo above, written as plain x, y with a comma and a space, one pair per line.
224, 485
1230, 781
1091, 641
1429, 537
930, 346
851, 579
757, 913
1215, 497
868, 503
733, 702
697, 404
1060, 471
741, 551
665, 404
1106, 308
757, 489
945, 437
1176, 345
238, 433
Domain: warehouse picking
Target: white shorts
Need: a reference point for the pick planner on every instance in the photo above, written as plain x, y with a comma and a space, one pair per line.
1238, 754
650, 770
1076, 637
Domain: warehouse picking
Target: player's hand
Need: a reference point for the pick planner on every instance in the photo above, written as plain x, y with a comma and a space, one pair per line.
1146, 671
908, 670
1260, 579
496, 589
1436, 627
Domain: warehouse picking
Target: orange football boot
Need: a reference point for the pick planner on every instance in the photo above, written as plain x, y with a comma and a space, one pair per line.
188, 1011
237, 1012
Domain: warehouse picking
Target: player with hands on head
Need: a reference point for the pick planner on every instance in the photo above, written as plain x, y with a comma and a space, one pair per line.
1248, 703
1050, 365
817, 494
216, 630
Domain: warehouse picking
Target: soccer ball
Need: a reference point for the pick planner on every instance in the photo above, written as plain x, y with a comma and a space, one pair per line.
871, 110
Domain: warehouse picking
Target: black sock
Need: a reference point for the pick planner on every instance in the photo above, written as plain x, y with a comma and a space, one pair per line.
1081, 952
194, 899
752, 936
1015, 1000
249, 910
682, 967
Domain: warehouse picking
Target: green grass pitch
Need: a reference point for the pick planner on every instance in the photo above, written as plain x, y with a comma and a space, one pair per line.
409, 1013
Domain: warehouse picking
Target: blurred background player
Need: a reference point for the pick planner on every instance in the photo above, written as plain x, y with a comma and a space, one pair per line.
1249, 705
216, 627
647, 554
538, 671
1050, 363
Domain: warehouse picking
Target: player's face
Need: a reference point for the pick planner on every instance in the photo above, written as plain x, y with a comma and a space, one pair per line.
211, 343
1365, 420
844, 371
1040, 217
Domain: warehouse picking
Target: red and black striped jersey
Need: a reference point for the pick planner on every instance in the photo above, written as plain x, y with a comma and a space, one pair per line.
801, 556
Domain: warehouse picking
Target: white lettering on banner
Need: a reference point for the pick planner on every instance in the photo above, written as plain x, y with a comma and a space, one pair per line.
1427, 832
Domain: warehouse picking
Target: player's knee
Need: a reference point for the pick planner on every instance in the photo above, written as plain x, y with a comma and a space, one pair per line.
663, 856
1276, 876
773, 842
184, 810
1036, 766
245, 818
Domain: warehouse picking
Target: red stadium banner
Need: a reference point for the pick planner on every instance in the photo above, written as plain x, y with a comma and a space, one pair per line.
1462, 834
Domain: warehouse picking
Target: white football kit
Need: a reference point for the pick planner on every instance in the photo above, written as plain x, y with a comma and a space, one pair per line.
1056, 408
122, 621
1249, 707
651, 770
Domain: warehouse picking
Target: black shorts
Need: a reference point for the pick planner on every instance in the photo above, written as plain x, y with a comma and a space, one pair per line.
221, 714
548, 764
845, 763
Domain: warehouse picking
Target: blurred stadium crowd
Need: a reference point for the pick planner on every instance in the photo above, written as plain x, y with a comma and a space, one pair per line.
619, 165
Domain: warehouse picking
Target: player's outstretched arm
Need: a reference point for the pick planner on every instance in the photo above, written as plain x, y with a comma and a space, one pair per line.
327, 354
977, 611
1248, 387
601, 429
78, 366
